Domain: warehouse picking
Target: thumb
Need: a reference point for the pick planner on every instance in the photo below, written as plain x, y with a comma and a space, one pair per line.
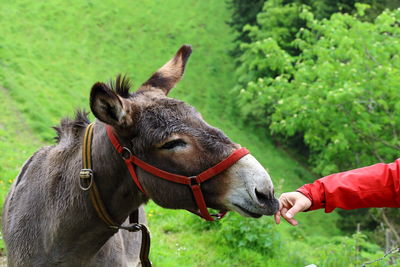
294, 210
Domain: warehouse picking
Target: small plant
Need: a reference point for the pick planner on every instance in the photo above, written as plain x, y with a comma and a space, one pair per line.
258, 235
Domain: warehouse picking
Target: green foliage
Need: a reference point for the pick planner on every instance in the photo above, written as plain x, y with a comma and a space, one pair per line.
243, 12
360, 218
325, 8
340, 93
245, 241
280, 24
347, 251
257, 235
246, 13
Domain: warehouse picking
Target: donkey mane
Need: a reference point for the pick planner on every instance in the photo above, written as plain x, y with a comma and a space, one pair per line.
69, 129
121, 85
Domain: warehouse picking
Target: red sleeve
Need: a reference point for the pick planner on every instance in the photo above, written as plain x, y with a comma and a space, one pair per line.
373, 186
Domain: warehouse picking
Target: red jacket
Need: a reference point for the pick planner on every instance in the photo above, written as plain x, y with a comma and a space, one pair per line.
374, 186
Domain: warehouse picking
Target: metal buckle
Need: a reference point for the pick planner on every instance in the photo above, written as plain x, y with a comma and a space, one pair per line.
126, 153
193, 181
84, 175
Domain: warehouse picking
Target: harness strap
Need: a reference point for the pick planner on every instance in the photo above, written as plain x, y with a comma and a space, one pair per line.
145, 248
201, 204
99, 206
90, 185
87, 183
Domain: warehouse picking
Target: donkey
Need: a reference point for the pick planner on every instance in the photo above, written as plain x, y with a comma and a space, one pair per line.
49, 221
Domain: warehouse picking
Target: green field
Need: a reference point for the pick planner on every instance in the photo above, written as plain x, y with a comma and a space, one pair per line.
52, 52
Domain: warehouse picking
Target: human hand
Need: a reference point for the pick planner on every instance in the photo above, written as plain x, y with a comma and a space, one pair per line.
289, 205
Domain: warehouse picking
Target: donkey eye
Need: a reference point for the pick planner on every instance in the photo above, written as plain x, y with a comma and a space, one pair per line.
174, 143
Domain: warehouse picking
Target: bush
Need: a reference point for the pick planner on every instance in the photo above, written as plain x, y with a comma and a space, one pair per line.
244, 12
246, 233
347, 251
341, 93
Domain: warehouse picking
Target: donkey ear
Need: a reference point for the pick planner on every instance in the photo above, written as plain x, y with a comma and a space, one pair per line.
106, 105
169, 74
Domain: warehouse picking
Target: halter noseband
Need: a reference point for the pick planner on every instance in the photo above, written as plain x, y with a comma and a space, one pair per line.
194, 182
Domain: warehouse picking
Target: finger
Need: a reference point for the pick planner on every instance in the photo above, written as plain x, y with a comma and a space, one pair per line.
290, 220
294, 210
284, 202
277, 217
283, 211
282, 198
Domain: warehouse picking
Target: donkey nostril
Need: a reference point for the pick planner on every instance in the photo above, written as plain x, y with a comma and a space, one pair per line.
262, 197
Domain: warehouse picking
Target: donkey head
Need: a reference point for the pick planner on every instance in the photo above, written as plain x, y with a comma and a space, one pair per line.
172, 136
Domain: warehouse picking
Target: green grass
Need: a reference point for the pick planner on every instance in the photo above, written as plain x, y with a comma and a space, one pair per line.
52, 52
17, 143
54, 49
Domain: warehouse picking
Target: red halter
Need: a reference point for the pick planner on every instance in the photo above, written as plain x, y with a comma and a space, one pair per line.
193, 181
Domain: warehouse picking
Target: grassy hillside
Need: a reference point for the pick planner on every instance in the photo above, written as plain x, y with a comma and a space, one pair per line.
52, 52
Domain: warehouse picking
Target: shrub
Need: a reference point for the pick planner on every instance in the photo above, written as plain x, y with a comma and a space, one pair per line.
243, 12
246, 233
341, 93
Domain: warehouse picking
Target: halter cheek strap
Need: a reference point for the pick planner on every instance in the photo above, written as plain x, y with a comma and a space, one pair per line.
194, 182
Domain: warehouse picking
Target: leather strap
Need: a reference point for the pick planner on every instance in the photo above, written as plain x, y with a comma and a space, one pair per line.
94, 194
194, 182
87, 183
145, 248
